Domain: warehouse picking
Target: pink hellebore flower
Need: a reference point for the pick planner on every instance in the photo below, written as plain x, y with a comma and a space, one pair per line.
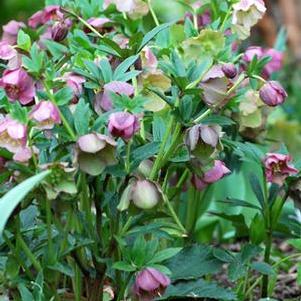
97, 23
251, 52
95, 152
7, 52
75, 82
123, 124
150, 284
18, 85
218, 171
246, 14
272, 93
43, 16
46, 114
215, 85
103, 99
275, 64
13, 137
10, 32
277, 168
149, 60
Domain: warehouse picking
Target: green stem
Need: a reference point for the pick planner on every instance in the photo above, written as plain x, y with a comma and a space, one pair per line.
202, 116
180, 182
157, 164
153, 13
128, 157
17, 256
49, 230
28, 253
236, 85
174, 215
64, 120
123, 288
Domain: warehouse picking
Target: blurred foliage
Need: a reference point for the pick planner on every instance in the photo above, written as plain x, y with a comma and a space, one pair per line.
18, 9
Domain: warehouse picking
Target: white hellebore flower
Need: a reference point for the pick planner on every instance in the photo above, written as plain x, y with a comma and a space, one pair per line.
246, 14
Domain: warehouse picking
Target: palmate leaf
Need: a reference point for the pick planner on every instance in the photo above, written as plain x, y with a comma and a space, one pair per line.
198, 289
193, 262
10, 201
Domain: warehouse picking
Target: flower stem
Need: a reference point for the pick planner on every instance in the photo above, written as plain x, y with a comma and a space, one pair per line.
174, 215
65, 122
128, 157
202, 116
153, 13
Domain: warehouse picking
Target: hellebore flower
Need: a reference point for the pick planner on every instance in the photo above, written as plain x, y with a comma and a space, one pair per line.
97, 23
150, 284
46, 114
275, 64
251, 52
149, 60
201, 135
123, 124
59, 31
95, 152
18, 85
144, 194
246, 14
74, 82
214, 85
13, 137
272, 93
103, 99
135, 8
7, 52
229, 70
43, 16
10, 32
277, 168
216, 173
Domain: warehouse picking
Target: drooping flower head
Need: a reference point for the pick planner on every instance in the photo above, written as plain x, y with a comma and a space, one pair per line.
123, 124
103, 99
278, 168
13, 137
41, 17
246, 14
10, 32
18, 85
272, 93
95, 152
7, 52
150, 284
74, 82
217, 172
46, 114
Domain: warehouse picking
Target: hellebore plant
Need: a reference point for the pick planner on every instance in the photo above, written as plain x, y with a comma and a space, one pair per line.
120, 137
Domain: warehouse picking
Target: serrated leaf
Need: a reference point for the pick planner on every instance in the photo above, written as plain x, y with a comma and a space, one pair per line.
198, 289
151, 34
23, 40
263, 268
63, 96
165, 254
10, 200
82, 116
123, 67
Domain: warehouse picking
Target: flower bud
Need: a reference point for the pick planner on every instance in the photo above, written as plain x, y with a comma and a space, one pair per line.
272, 93
59, 31
123, 124
230, 70
277, 168
145, 194
150, 284
145, 168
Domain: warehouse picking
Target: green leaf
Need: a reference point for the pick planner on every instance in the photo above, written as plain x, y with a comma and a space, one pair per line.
82, 116
296, 243
57, 50
257, 189
299, 273
26, 295
123, 266
193, 262
23, 40
10, 200
144, 152
123, 67
263, 268
151, 34
62, 268
165, 254
198, 289
257, 230
106, 70
63, 96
